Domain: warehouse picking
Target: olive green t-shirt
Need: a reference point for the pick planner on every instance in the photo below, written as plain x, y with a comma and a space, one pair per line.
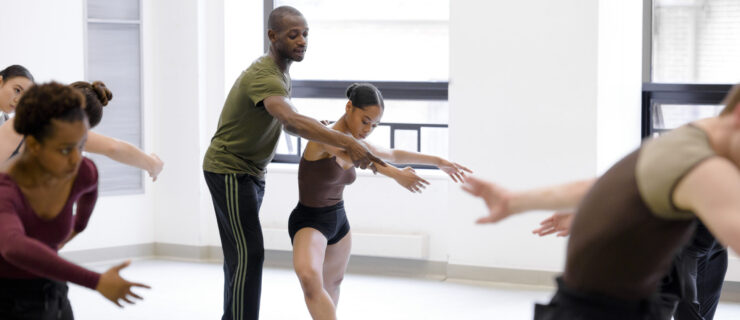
247, 134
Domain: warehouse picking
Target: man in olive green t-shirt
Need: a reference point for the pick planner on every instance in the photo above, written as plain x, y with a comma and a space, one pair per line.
257, 108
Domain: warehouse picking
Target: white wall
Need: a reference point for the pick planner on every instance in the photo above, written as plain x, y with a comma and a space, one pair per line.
243, 25
213, 67
241, 20
186, 50
50, 43
538, 94
619, 81
543, 86
523, 82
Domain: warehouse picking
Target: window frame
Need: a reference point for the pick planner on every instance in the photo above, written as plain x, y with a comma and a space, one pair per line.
654, 93
335, 89
677, 93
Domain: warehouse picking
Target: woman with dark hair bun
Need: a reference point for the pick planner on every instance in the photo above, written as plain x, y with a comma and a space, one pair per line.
39, 189
97, 96
13, 81
318, 226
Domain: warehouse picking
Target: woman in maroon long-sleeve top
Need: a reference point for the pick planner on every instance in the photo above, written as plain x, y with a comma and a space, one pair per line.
38, 191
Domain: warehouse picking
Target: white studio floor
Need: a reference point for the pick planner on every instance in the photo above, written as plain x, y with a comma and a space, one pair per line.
193, 291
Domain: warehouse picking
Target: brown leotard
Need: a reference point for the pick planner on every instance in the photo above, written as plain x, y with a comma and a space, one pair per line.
321, 182
627, 228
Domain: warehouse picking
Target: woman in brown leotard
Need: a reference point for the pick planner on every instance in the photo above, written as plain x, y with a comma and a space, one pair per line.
318, 226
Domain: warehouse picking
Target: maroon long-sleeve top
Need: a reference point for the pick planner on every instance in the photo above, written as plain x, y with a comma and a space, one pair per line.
28, 244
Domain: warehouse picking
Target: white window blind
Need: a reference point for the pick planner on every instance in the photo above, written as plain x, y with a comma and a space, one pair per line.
696, 41
114, 57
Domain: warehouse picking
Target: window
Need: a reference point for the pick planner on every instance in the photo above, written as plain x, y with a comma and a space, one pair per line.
696, 41
668, 106
695, 45
402, 50
113, 55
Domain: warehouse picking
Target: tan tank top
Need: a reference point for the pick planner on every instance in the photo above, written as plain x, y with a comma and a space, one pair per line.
664, 162
627, 229
321, 182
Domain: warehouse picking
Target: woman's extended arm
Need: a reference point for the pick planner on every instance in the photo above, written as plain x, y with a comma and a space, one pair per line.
406, 177
454, 170
124, 152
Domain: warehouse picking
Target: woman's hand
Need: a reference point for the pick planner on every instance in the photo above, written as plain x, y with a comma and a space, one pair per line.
156, 167
559, 222
455, 170
497, 199
115, 288
407, 178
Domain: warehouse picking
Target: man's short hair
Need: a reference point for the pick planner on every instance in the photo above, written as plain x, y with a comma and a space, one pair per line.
275, 21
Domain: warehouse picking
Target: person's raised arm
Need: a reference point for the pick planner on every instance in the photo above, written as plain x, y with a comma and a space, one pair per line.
124, 152
711, 191
502, 203
406, 177
453, 169
311, 129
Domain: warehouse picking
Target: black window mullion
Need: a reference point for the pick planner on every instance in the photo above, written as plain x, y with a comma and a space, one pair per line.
670, 93
396, 90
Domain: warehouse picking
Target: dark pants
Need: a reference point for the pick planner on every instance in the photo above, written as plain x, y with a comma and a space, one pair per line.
34, 299
696, 276
570, 304
237, 199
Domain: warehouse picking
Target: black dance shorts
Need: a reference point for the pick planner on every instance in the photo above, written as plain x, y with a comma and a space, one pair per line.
571, 304
331, 221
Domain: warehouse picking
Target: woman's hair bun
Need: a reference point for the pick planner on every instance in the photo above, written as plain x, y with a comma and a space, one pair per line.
97, 95
102, 92
351, 89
